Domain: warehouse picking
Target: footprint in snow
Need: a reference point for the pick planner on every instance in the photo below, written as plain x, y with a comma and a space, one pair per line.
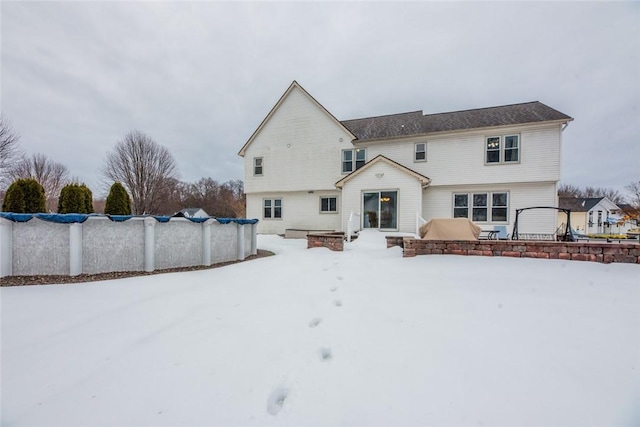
337, 303
333, 289
325, 354
339, 277
315, 322
276, 400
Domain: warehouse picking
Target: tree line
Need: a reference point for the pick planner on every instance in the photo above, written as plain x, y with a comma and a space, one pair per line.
632, 199
137, 167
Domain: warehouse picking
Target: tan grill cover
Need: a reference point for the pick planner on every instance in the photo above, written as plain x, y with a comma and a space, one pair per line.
450, 229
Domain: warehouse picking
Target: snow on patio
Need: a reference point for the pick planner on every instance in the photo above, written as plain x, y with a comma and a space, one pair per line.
318, 338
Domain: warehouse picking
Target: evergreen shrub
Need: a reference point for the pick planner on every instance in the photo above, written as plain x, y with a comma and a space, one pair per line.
25, 196
118, 201
75, 198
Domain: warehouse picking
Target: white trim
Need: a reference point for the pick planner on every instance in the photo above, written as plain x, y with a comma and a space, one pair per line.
502, 149
261, 166
415, 152
489, 206
328, 211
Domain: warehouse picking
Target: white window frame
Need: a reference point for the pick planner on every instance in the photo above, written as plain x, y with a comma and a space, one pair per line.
270, 203
494, 207
471, 206
416, 152
516, 149
466, 197
502, 149
257, 160
329, 210
477, 207
354, 163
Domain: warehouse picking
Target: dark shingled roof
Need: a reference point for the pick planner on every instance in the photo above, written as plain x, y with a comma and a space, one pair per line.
415, 123
578, 204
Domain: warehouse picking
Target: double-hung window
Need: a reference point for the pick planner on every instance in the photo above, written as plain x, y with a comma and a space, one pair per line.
272, 209
257, 166
481, 207
328, 204
420, 153
499, 207
502, 149
461, 205
353, 159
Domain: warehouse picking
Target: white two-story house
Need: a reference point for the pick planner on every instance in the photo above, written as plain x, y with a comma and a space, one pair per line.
305, 169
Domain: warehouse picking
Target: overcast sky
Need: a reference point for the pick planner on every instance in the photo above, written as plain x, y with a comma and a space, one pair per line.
199, 77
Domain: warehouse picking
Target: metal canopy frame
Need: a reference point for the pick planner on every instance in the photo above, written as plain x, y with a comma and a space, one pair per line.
567, 236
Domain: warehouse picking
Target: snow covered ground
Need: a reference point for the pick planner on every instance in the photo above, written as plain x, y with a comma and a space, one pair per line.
319, 338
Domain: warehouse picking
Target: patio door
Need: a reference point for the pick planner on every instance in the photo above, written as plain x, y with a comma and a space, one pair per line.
380, 210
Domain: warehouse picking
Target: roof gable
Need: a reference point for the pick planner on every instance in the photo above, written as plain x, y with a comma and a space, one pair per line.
585, 204
294, 86
380, 158
415, 123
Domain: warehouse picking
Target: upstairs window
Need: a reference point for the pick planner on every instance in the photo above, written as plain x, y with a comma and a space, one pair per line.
272, 209
493, 149
502, 149
420, 154
257, 166
353, 159
328, 204
511, 148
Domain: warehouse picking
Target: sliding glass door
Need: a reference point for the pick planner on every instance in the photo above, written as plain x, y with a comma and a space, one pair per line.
380, 210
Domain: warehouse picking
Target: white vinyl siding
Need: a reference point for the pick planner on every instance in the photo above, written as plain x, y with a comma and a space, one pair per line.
301, 145
300, 211
459, 158
384, 177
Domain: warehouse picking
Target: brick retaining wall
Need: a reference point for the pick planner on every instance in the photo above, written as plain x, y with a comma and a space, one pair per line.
578, 251
333, 241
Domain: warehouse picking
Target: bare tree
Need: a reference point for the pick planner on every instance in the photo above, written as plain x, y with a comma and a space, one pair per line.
172, 196
568, 190
634, 192
609, 193
51, 175
143, 167
9, 152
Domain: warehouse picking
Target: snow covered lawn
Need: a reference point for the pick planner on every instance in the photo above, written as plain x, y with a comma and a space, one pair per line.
319, 338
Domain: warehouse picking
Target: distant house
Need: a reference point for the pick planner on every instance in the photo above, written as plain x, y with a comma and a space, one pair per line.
192, 213
592, 215
633, 214
307, 170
